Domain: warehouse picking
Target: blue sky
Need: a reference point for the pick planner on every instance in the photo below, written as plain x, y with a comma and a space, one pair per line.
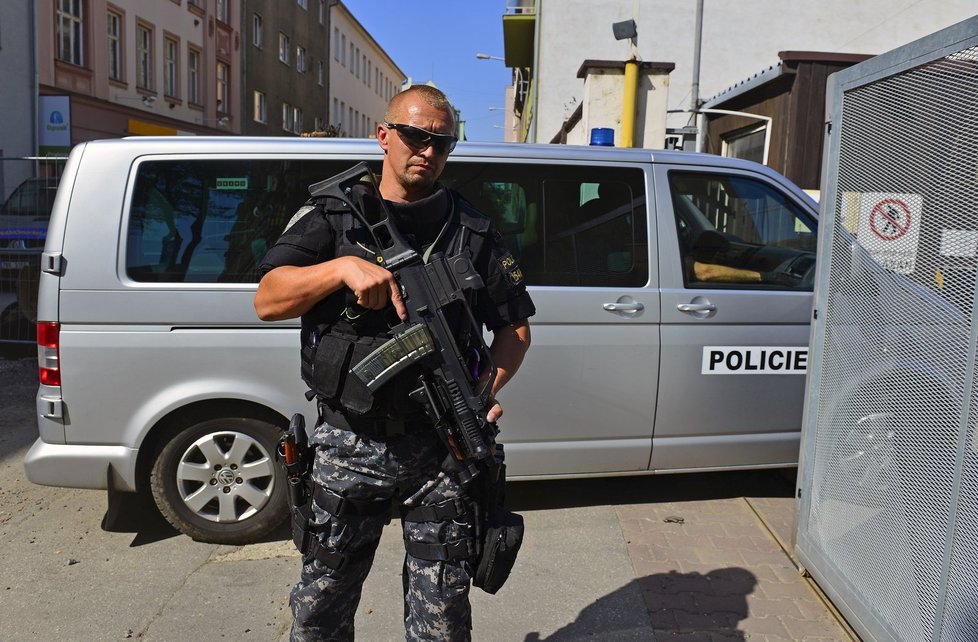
437, 40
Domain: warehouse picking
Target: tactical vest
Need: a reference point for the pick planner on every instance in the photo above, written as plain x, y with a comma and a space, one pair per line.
334, 338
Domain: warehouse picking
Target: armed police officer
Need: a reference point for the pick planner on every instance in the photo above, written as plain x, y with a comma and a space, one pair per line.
375, 448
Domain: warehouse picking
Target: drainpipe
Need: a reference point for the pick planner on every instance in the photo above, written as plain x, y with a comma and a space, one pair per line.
35, 86
694, 99
628, 106
329, 60
630, 97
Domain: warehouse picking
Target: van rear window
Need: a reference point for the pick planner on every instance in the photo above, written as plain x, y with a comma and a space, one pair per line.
210, 221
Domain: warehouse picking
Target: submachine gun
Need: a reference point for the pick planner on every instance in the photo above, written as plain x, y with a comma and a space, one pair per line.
434, 290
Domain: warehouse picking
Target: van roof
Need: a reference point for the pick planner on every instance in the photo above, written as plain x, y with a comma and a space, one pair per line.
139, 145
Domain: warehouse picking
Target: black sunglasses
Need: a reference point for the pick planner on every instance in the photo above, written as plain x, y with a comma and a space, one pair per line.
417, 138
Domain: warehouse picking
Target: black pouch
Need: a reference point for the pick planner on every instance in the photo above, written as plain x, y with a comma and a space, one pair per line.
301, 531
504, 535
331, 376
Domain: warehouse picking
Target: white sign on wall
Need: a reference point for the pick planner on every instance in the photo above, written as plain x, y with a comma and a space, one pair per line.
889, 228
54, 125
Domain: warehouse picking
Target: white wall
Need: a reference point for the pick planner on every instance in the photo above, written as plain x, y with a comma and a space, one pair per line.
17, 95
739, 39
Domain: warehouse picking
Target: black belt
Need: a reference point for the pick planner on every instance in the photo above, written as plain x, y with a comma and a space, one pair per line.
374, 426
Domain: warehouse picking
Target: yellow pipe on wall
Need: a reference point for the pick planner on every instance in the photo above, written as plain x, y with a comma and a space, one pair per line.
628, 104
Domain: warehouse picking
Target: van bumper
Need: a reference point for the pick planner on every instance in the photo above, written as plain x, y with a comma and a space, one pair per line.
75, 466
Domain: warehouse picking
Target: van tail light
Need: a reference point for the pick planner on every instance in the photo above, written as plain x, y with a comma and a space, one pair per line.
48, 356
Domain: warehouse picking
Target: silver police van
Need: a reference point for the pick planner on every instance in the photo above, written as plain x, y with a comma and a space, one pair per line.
674, 295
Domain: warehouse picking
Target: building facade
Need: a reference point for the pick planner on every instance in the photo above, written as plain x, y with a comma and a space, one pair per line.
362, 77
779, 117
286, 59
548, 40
18, 98
131, 67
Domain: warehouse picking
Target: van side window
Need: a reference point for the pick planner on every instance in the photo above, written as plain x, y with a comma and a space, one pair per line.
211, 221
566, 225
740, 232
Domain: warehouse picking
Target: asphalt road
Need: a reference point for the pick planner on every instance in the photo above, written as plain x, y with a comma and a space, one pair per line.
65, 576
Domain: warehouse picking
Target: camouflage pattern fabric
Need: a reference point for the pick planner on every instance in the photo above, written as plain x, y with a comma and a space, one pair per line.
406, 468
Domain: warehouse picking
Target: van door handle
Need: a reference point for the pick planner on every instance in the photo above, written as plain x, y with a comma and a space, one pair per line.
624, 307
697, 307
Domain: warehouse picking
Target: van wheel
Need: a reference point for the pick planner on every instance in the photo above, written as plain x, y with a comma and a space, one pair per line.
217, 481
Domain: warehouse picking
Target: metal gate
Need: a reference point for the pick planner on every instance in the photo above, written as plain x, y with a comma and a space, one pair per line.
888, 482
27, 190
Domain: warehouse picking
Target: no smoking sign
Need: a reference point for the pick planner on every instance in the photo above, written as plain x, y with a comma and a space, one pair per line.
889, 228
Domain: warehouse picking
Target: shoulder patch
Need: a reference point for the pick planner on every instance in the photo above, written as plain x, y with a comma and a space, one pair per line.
305, 209
511, 268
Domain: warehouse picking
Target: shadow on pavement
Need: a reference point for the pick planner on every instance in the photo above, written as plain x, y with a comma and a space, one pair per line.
693, 606
137, 513
611, 491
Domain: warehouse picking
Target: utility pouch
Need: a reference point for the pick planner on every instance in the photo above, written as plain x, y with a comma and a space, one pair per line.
502, 533
331, 377
301, 532
503, 537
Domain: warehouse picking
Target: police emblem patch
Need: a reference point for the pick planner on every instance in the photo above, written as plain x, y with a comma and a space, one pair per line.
511, 268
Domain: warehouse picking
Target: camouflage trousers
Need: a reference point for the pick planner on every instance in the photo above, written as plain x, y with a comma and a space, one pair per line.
407, 469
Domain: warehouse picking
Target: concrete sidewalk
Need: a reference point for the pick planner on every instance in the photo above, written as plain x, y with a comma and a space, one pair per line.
720, 570
683, 557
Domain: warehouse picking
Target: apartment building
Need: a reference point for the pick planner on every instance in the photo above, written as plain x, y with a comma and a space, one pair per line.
362, 77
286, 61
547, 41
131, 67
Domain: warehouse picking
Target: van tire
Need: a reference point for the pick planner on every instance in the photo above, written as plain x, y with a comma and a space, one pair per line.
218, 480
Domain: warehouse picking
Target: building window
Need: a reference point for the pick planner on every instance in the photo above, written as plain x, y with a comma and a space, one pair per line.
287, 117
322, 12
296, 120
223, 74
318, 124
193, 76
342, 114
284, 46
320, 73
171, 69
343, 49
259, 111
144, 57
746, 143
336, 43
71, 32
370, 71
256, 33
336, 109
300, 59
357, 61
353, 59
115, 45
222, 11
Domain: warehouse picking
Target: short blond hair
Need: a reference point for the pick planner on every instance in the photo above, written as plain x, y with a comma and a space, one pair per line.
433, 96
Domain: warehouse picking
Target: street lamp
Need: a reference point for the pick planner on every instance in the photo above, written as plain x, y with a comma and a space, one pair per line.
484, 56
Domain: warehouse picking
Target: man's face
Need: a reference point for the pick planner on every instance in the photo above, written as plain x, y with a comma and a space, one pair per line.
409, 171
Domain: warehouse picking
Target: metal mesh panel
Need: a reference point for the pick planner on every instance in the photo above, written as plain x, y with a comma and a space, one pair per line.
893, 512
